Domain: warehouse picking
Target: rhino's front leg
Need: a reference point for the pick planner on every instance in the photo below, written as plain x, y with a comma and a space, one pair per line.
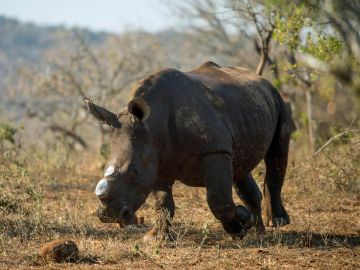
164, 208
217, 174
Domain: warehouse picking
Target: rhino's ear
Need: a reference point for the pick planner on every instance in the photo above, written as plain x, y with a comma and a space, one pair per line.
102, 114
139, 108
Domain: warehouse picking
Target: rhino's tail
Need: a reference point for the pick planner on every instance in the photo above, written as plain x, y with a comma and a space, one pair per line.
286, 116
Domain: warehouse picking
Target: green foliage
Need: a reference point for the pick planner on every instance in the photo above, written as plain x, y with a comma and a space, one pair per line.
7, 133
298, 134
289, 25
277, 83
324, 46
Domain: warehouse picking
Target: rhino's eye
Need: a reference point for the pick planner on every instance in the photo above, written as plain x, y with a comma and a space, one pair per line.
134, 175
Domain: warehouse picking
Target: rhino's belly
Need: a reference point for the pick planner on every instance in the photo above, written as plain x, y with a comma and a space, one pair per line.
187, 172
248, 153
190, 172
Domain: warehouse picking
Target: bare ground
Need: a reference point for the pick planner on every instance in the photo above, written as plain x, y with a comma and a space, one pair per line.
43, 200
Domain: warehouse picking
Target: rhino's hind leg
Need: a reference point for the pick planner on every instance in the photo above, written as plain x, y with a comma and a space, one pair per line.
217, 175
276, 162
164, 208
249, 192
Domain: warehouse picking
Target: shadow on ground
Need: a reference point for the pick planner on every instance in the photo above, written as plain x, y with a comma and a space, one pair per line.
274, 237
299, 239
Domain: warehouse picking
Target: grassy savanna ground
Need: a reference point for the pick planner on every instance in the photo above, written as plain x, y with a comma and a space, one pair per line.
46, 197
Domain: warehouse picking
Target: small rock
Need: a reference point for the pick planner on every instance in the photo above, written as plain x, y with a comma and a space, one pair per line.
60, 251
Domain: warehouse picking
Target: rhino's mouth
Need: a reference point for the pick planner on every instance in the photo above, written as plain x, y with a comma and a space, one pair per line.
107, 214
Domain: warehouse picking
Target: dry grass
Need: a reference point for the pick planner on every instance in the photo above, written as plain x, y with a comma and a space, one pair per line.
47, 197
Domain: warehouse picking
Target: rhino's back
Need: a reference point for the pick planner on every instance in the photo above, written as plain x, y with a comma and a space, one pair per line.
248, 106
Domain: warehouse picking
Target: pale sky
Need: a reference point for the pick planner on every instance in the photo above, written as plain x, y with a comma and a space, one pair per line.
108, 15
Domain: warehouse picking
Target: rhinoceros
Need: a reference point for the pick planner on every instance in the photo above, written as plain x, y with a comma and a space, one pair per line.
208, 127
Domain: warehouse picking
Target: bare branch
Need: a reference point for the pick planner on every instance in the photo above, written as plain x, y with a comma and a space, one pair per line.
68, 133
84, 45
71, 77
332, 139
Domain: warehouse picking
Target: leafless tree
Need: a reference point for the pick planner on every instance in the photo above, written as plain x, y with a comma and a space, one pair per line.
102, 73
264, 23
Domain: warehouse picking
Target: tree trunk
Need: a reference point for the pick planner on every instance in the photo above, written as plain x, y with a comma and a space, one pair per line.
261, 65
309, 112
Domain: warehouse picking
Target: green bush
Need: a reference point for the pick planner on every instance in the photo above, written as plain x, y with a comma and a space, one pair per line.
7, 133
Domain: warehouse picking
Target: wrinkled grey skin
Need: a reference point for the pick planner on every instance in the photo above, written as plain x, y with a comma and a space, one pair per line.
206, 128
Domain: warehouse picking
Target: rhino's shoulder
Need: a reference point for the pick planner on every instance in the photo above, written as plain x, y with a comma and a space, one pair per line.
158, 80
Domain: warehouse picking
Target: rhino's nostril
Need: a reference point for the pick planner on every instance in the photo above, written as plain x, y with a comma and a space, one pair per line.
126, 214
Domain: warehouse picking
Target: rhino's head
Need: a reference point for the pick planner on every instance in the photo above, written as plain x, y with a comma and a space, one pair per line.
131, 170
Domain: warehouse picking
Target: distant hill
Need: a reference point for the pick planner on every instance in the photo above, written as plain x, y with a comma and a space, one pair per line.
24, 43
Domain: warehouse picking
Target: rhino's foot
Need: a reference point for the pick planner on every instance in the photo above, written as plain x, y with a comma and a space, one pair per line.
280, 221
157, 235
259, 224
245, 227
276, 216
239, 226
